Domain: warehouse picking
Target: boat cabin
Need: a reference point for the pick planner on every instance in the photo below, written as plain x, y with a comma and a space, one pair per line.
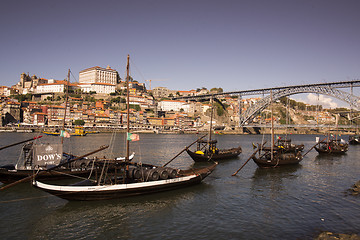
207, 146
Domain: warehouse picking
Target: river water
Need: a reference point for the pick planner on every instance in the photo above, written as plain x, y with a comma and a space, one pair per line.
296, 202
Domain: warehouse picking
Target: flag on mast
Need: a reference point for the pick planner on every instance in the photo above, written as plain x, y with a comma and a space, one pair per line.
133, 137
64, 134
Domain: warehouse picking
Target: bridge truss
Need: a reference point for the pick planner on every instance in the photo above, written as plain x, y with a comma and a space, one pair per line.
329, 89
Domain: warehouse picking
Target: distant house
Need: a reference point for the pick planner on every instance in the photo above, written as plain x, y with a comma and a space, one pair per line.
7, 91
39, 118
54, 86
162, 121
186, 93
172, 105
160, 92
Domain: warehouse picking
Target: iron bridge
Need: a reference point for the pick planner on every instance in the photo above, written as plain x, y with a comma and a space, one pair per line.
330, 89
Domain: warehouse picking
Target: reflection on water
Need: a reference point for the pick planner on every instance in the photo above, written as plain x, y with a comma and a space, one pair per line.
293, 202
272, 182
105, 219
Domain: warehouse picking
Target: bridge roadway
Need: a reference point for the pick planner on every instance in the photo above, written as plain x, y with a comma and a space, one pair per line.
346, 84
309, 126
330, 89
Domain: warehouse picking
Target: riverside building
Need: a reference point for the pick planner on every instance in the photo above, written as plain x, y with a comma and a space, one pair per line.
98, 79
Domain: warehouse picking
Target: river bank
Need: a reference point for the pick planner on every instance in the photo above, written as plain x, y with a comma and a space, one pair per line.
236, 131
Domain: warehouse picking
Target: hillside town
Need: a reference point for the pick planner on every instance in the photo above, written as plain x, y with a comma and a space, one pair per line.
98, 100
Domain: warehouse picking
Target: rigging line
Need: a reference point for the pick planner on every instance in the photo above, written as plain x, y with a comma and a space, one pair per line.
21, 154
73, 76
112, 144
70, 175
141, 75
102, 172
139, 150
92, 168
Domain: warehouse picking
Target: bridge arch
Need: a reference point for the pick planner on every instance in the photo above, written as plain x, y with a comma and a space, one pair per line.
250, 113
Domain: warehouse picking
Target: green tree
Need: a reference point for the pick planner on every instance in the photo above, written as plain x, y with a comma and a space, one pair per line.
219, 109
79, 122
22, 97
136, 107
218, 90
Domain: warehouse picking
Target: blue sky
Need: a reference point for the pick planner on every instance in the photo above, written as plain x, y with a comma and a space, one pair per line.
189, 44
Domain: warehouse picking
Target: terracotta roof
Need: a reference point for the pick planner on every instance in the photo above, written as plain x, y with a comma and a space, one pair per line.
173, 101
58, 82
56, 106
16, 103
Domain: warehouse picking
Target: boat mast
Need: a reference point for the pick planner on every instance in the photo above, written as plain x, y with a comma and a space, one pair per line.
272, 126
336, 126
127, 109
66, 103
211, 117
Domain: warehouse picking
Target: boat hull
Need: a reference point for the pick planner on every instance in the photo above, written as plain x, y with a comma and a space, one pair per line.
329, 151
11, 175
354, 140
223, 154
279, 160
71, 134
90, 193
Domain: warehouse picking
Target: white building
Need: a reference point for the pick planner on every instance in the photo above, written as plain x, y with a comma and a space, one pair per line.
173, 105
105, 88
98, 79
53, 86
98, 75
205, 107
7, 91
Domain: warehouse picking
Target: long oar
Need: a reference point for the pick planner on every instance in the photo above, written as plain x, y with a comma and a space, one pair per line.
252, 155
184, 150
314, 146
52, 168
14, 144
246, 161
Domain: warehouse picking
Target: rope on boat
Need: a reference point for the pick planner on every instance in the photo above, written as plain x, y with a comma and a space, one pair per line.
112, 144
70, 175
102, 172
21, 154
92, 168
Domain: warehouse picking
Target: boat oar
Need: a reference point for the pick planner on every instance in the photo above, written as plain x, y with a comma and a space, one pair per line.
52, 168
14, 144
314, 146
184, 150
252, 155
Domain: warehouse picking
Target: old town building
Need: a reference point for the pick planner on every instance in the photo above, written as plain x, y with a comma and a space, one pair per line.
98, 79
